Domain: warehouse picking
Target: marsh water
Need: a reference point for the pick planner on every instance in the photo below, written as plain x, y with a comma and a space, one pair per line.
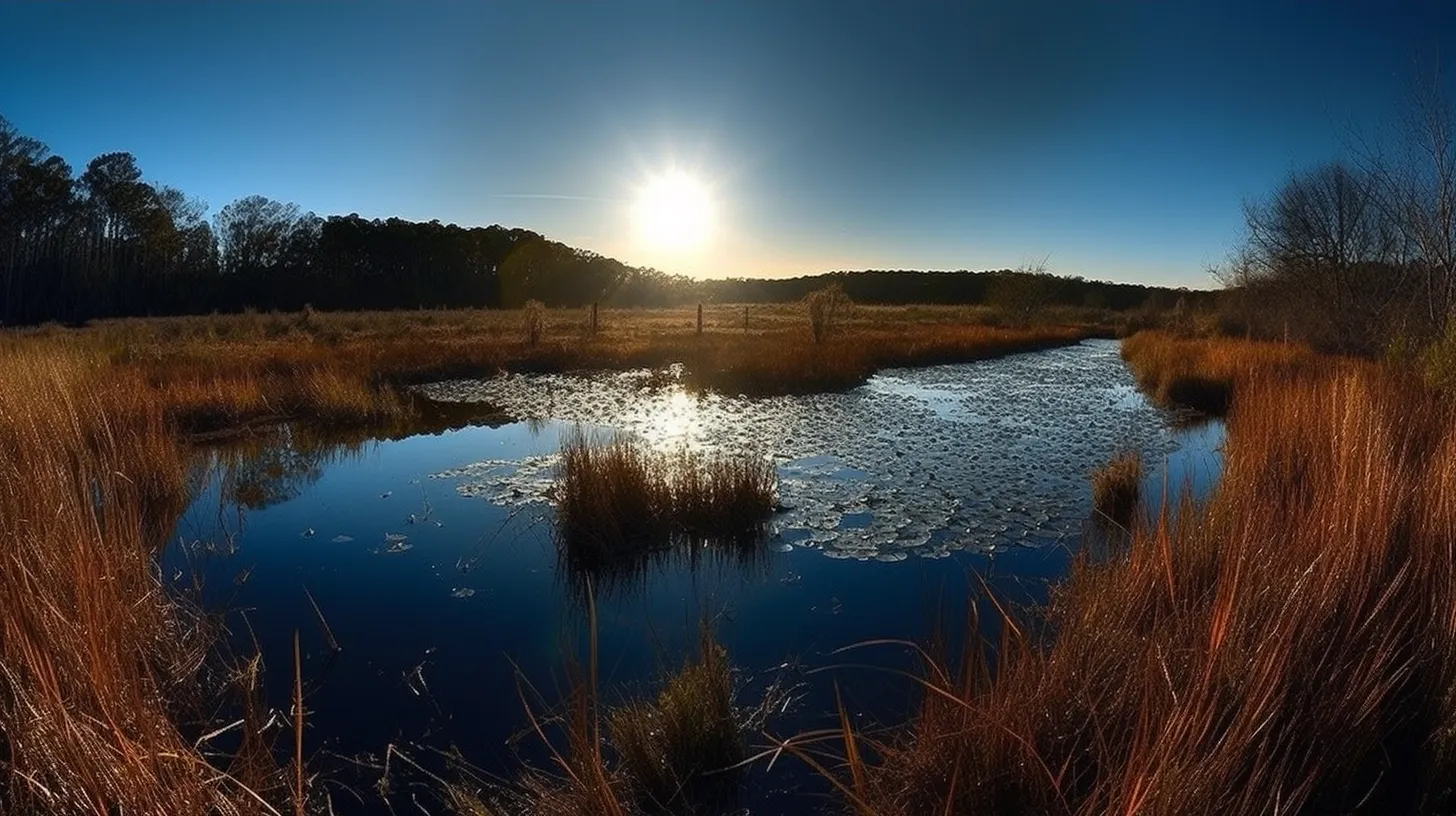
430, 559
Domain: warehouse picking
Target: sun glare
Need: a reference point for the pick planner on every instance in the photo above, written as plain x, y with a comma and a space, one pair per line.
674, 211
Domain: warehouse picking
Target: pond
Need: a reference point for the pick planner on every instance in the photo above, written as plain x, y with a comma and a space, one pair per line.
432, 562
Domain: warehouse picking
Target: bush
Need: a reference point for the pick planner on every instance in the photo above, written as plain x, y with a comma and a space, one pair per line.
533, 321
828, 307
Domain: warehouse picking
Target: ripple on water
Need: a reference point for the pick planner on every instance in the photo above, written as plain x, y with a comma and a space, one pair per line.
920, 462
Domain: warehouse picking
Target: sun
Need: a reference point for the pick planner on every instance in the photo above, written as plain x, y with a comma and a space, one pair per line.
674, 211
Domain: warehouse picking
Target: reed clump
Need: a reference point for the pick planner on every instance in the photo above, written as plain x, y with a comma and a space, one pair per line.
1116, 489
678, 752
678, 748
1288, 645
617, 499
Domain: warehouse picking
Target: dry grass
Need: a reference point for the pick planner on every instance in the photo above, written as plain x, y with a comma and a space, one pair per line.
676, 750
1204, 373
1290, 646
1116, 488
223, 371
96, 657
675, 753
617, 499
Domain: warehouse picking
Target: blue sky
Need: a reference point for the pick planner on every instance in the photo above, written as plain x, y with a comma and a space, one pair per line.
1116, 139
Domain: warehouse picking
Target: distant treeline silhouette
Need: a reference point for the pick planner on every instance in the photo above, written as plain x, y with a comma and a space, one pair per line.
108, 243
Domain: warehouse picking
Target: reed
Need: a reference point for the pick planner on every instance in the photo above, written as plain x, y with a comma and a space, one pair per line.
619, 500
96, 656
1116, 488
1289, 645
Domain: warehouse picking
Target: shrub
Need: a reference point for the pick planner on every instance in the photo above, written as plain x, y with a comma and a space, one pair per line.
533, 321
828, 308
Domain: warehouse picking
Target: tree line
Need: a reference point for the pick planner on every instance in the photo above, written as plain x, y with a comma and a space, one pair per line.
109, 243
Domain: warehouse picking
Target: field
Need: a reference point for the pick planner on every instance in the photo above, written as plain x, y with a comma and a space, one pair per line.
221, 372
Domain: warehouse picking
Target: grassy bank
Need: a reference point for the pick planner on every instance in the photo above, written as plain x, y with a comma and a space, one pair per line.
97, 661
1289, 646
1204, 373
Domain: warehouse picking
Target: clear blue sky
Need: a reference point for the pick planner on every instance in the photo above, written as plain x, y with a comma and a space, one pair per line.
1116, 138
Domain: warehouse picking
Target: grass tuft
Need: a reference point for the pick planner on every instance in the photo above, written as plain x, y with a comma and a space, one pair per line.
677, 749
617, 499
1116, 488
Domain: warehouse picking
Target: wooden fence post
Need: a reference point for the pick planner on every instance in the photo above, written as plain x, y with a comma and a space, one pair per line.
700, 318
594, 319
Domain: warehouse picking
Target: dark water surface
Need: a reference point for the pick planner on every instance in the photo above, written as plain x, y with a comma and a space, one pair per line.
432, 561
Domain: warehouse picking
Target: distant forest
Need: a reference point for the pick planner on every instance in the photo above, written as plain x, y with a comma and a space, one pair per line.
108, 243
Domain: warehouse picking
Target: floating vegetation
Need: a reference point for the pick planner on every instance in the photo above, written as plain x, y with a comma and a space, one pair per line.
916, 462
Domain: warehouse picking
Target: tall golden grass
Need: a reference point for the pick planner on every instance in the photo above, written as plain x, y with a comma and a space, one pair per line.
1205, 372
1288, 647
96, 657
617, 499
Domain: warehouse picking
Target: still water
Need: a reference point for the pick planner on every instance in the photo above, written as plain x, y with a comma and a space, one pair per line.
431, 558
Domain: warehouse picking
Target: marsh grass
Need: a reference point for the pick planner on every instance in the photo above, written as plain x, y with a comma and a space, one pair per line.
681, 748
97, 658
225, 371
678, 752
1204, 373
99, 661
617, 500
1116, 489
1289, 645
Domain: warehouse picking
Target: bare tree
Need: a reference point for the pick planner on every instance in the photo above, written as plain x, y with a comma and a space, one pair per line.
1324, 245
